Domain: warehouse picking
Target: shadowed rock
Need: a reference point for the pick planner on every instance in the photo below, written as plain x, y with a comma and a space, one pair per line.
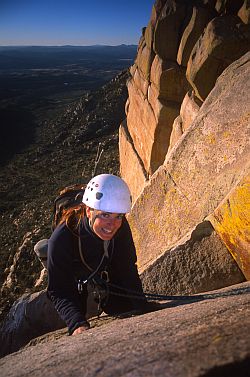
199, 264
225, 40
129, 157
199, 20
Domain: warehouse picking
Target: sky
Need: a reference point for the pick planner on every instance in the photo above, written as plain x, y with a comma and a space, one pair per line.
74, 22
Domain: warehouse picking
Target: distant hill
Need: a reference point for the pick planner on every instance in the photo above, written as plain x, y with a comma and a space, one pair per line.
36, 81
27, 57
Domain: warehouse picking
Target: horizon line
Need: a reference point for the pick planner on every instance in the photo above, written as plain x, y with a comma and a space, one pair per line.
72, 45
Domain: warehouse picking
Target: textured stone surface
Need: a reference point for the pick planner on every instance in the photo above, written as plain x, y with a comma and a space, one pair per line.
131, 166
200, 170
127, 106
149, 32
199, 20
206, 338
150, 124
140, 82
225, 39
176, 132
189, 109
170, 79
165, 113
141, 123
144, 60
232, 222
169, 27
198, 264
159, 85
132, 69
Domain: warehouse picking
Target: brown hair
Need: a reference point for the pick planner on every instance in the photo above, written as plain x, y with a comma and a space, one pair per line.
72, 216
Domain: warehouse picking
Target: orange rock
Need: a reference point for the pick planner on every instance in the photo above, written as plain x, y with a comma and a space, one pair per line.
150, 123
168, 30
199, 20
170, 79
189, 109
231, 220
165, 113
149, 32
225, 39
136, 176
176, 132
197, 175
144, 60
140, 82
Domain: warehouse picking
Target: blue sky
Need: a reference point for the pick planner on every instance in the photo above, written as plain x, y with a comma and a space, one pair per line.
76, 22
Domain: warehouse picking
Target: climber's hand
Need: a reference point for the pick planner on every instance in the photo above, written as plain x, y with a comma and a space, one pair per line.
81, 329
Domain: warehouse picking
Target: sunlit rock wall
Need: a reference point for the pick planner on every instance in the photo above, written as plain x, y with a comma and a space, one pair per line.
210, 160
207, 163
185, 145
184, 48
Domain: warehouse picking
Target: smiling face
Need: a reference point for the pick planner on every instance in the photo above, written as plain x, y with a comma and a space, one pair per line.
104, 224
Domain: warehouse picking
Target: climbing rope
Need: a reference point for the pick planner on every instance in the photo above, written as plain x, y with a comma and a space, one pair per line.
129, 293
138, 295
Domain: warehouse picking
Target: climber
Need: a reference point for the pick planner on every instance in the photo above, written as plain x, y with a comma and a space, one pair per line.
92, 245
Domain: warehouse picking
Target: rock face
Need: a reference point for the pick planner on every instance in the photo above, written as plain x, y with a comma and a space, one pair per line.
189, 110
169, 25
199, 263
188, 126
209, 160
208, 337
231, 221
225, 40
184, 48
198, 22
130, 158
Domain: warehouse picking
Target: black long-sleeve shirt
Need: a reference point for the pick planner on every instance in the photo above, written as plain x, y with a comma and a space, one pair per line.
64, 260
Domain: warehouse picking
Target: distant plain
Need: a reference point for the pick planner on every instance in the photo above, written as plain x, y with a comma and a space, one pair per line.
36, 82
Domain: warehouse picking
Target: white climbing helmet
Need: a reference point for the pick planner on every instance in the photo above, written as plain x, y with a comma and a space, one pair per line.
109, 193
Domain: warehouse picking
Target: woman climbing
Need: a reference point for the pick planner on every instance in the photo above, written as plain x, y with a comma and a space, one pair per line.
90, 250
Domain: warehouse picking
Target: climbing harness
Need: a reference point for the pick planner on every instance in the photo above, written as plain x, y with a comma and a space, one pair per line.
96, 282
